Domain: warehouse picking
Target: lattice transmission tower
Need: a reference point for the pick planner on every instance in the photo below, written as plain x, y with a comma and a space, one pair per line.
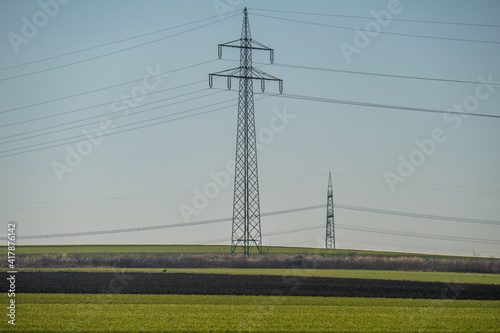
246, 229
330, 225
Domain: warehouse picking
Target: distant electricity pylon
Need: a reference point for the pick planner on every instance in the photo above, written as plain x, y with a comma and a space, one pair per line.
246, 230
330, 225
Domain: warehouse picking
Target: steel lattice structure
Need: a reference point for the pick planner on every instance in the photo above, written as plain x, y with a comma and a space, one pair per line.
330, 225
246, 229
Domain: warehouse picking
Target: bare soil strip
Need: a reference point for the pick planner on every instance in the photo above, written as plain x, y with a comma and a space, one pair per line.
221, 284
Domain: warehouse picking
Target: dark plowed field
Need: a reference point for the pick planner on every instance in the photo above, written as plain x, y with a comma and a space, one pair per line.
218, 284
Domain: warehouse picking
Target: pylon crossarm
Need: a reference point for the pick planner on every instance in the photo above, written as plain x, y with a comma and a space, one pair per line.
250, 47
247, 47
255, 74
227, 72
263, 75
262, 46
237, 43
247, 77
229, 43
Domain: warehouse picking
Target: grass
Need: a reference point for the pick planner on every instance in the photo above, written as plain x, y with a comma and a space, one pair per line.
194, 313
338, 273
193, 249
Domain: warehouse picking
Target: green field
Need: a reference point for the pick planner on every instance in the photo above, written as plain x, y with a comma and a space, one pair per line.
339, 273
193, 313
192, 249
206, 313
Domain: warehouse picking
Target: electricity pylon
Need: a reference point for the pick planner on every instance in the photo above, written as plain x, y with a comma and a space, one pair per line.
246, 230
330, 225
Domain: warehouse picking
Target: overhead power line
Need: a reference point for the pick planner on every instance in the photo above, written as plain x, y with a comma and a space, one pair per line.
274, 233
111, 53
382, 74
206, 62
420, 185
166, 226
391, 232
103, 115
419, 235
369, 230
375, 105
372, 18
114, 42
292, 96
324, 69
381, 32
104, 88
382, 106
125, 130
58, 142
299, 97
287, 211
417, 215
158, 195
91, 107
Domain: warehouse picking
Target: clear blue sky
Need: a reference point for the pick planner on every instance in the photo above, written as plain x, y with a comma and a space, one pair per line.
73, 67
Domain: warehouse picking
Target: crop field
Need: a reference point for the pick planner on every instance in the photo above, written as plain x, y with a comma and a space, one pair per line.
127, 288
200, 313
177, 249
